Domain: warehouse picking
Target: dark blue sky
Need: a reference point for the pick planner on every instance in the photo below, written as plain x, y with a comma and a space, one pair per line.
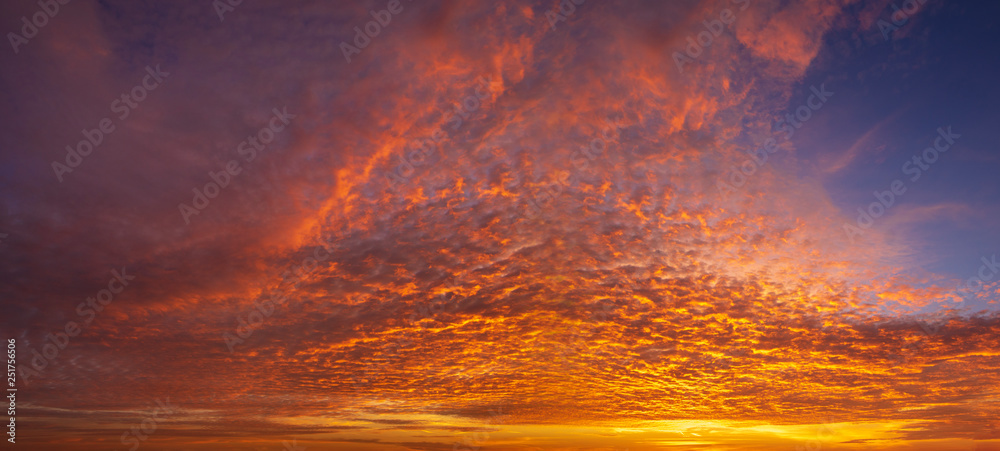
939, 69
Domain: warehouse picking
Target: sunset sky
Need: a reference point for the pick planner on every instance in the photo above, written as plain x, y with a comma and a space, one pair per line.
454, 225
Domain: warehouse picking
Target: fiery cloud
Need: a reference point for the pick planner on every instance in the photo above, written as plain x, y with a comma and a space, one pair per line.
482, 230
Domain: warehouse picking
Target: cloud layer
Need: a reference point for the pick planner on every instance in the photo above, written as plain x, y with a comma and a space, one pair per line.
480, 212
